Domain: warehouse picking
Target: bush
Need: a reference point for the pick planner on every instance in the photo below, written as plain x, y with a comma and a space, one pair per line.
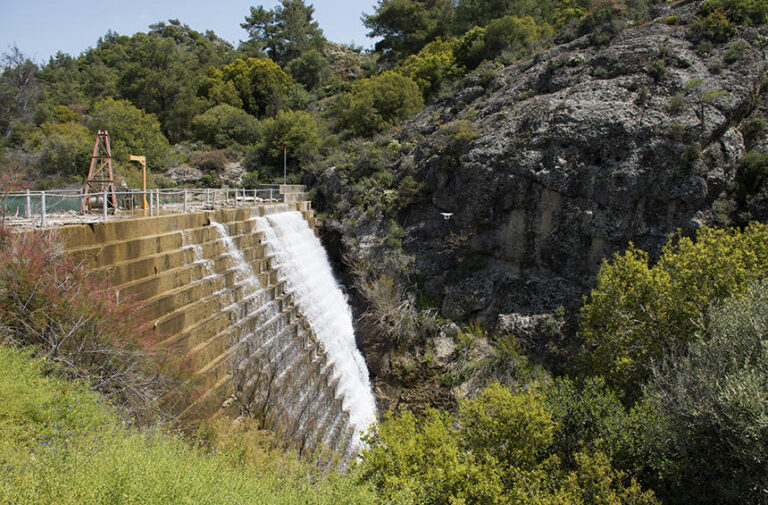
296, 129
210, 161
752, 173
470, 48
48, 303
637, 314
587, 416
258, 85
432, 66
520, 35
377, 103
65, 148
742, 12
310, 69
657, 69
752, 130
677, 103
735, 51
691, 153
713, 399
495, 450
714, 26
223, 125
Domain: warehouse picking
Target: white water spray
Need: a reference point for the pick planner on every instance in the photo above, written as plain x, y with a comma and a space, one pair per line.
304, 266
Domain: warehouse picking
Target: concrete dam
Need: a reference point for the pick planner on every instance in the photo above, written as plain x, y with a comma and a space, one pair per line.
248, 296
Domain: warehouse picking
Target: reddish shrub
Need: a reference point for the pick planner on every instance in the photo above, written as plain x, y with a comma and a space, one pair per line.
48, 302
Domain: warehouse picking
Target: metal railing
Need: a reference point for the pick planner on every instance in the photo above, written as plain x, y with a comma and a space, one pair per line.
30, 204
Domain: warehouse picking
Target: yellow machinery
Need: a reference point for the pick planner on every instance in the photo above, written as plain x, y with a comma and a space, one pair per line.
143, 162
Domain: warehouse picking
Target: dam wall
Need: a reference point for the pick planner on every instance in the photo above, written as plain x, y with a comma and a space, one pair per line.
219, 294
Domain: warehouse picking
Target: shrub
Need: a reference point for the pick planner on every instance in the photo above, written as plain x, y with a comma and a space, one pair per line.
677, 103
753, 129
432, 66
296, 129
517, 34
712, 398
691, 153
742, 12
377, 103
638, 313
495, 450
209, 161
259, 85
587, 415
714, 26
735, 51
210, 181
657, 69
752, 173
65, 148
470, 48
310, 69
223, 125
47, 302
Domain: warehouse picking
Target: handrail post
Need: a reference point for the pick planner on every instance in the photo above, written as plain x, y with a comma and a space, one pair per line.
151, 203
28, 206
43, 220
105, 205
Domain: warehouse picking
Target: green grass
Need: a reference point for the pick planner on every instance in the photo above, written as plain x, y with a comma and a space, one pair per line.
61, 443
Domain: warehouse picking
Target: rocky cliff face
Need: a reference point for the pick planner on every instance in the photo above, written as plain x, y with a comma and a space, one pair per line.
531, 175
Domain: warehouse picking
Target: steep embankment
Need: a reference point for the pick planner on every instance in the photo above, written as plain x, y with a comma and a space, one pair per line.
60, 443
529, 175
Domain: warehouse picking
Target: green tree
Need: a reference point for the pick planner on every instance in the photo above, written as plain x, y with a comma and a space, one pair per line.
295, 129
587, 415
703, 97
65, 148
19, 89
131, 131
405, 26
223, 125
638, 313
714, 399
259, 83
286, 32
378, 102
470, 49
310, 69
432, 66
517, 34
470, 13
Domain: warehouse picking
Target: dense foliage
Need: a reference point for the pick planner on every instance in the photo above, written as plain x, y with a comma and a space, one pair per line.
60, 443
497, 449
639, 312
378, 102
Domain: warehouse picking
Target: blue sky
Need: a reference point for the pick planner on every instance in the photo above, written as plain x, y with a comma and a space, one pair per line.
40, 28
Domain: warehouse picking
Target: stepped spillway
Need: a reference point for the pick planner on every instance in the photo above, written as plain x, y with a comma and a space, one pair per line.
266, 337
303, 265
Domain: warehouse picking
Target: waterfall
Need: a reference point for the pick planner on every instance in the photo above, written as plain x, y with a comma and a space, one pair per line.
303, 264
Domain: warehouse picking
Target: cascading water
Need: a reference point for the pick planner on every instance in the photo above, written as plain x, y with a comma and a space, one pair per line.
303, 265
